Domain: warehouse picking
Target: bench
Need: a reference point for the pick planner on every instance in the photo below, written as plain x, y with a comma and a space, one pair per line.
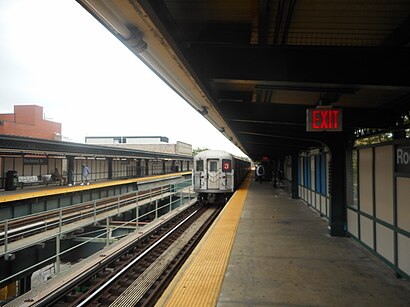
36, 180
28, 180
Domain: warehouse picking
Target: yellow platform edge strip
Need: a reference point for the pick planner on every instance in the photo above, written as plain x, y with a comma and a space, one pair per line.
200, 280
65, 189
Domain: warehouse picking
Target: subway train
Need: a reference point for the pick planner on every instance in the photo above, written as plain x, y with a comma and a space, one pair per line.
217, 174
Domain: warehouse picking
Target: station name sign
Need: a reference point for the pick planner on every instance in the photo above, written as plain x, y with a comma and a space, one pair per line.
35, 161
403, 159
324, 119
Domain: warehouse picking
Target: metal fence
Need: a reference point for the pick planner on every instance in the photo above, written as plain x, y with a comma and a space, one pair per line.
93, 212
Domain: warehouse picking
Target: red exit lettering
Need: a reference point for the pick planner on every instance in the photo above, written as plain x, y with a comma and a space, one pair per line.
325, 119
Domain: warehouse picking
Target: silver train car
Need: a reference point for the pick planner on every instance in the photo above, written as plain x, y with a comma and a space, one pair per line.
217, 174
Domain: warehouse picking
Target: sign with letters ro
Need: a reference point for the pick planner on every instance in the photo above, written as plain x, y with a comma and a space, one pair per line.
403, 159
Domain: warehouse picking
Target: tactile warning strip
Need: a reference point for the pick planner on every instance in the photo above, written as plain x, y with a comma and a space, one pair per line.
200, 283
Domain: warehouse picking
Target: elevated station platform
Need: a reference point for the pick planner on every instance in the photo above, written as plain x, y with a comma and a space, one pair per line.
267, 249
36, 199
51, 190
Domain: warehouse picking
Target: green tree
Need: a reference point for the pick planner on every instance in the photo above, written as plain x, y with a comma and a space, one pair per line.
197, 150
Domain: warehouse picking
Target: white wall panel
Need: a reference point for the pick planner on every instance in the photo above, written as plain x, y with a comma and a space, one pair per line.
77, 170
384, 183
403, 203
43, 169
323, 209
385, 242
366, 231
36, 170
313, 199
352, 225
21, 170
8, 165
327, 207
404, 253
92, 165
366, 180
18, 166
318, 201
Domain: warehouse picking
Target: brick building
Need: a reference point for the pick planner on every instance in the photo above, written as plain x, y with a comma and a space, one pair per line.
149, 143
27, 120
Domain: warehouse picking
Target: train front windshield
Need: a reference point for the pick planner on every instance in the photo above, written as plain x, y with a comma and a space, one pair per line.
200, 166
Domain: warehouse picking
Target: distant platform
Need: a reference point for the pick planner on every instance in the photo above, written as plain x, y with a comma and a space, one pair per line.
53, 189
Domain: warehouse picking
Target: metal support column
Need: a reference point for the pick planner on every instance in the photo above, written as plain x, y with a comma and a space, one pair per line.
70, 170
156, 208
108, 231
109, 168
58, 250
170, 198
337, 186
137, 213
6, 234
24, 284
58, 245
295, 170
136, 210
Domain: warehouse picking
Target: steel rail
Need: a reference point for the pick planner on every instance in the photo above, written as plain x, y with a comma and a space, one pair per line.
123, 270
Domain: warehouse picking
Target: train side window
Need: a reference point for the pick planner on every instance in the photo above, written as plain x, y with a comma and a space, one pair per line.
199, 165
213, 166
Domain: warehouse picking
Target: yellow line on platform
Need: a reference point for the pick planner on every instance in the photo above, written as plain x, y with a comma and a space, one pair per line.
200, 279
20, 195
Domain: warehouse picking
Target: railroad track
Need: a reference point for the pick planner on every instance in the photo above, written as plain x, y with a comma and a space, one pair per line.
137, 276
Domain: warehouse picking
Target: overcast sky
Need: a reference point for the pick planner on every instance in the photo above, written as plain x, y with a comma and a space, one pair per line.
56, 55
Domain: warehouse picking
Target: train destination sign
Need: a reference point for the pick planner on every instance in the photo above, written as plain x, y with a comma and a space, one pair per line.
324, 119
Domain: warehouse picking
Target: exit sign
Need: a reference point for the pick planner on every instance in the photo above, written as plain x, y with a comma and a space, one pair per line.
324, 119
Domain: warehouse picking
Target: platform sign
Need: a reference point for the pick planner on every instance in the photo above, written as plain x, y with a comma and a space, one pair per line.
403, 159
324, 119
35, 161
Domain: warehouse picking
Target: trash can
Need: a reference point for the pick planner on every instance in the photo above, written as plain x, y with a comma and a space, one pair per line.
11, 180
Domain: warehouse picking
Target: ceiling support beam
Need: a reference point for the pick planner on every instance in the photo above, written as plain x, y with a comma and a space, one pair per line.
296, 65
400, 37
291, 8
295, 115
263, 21
278, 21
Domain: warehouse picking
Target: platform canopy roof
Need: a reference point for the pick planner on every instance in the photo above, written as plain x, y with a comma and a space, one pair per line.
253, 67
11, 145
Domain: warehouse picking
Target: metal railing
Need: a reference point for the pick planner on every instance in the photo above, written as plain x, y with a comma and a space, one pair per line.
56, 220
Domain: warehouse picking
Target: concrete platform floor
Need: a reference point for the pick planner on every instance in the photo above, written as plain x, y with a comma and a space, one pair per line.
284, 256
